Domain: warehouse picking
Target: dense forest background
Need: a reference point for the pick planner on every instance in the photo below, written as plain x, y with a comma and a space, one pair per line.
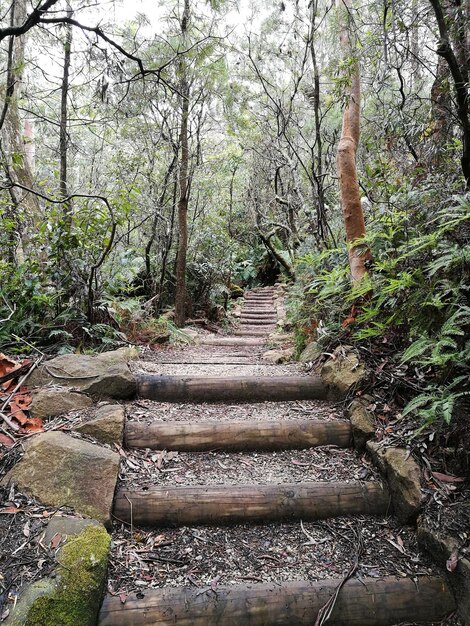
154, 157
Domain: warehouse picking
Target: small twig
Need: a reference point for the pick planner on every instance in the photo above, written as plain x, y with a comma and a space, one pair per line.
326, 610
131, 516
12, 310
28, 344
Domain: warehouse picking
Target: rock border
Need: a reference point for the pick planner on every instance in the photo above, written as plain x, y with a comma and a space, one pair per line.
401, 472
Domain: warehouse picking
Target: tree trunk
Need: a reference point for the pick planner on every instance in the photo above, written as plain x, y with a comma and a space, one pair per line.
458, 73
17, 166
180, 296
354, 224
441, 103
63, 132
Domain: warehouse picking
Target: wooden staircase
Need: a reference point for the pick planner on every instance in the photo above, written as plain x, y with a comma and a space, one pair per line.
354, 602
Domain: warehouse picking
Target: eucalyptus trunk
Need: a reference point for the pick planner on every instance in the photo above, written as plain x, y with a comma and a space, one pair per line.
180, 295
354, 223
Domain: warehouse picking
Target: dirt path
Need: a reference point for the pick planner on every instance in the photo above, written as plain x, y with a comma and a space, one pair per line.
209, 561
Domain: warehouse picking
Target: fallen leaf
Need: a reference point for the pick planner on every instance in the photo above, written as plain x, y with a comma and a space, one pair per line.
6, 441
26, 529
10, 510
123, 598
33, 425
55, 541
452, 561
447, 478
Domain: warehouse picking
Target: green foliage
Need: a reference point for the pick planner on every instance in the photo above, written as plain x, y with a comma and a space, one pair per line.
416, 298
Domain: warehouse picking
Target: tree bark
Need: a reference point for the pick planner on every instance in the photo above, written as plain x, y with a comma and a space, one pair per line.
458, 73
63, 131
354, 223
180, 295
17, 166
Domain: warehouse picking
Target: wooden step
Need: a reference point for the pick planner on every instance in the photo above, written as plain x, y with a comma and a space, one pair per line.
230, 388
259, 299
259, 315
228, 504
241, 435
256, 321
364, 602
250, 331
230, 341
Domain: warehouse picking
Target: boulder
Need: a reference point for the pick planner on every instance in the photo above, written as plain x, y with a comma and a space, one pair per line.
343, 371
72, 595
362, 422
403, 477
279, 356
107, 424
311, 352
51, 402
61, 470
66, 526
281, 338
105, 374
441, 548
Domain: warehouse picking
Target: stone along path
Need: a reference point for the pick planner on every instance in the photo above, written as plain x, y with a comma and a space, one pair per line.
244, 503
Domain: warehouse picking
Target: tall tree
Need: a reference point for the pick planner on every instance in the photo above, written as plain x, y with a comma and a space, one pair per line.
347, 149
16, 164
180, 295
457, 59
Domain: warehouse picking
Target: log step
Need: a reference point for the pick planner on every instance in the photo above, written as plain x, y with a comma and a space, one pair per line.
248, 331
256, 321
365, 602
230, 388
259, 299
230, 341
262, 315
236, 436
228, 504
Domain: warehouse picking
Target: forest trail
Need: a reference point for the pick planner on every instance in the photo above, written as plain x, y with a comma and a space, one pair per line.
253, 508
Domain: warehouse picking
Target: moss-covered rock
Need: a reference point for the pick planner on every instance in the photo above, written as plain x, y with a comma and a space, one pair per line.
81, 572
107, 425
343, 371
61, 470
403, 477
311, 352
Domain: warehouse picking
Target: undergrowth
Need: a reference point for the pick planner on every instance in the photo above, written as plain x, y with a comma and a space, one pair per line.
415, 299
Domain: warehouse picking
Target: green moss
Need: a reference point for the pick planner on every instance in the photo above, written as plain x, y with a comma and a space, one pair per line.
82, 571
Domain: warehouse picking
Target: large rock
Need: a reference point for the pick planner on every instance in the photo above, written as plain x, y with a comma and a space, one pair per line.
105, 374
343, 371
61, 470
72, 596
362, 423
403, 477
311, 352
279, 356
107, 424
52, 402
445, 552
